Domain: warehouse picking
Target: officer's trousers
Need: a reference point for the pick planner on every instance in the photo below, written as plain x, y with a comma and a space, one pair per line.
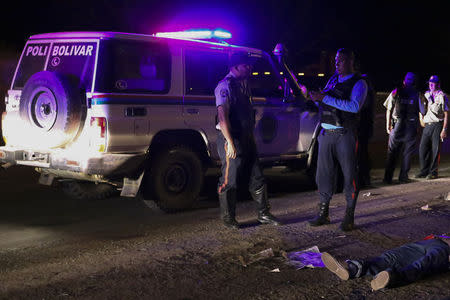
337, 147
244, 169
410, 262
429, 148
402, 136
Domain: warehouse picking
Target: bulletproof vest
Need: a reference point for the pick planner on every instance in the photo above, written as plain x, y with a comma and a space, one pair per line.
241, 114
340, 90
406, 105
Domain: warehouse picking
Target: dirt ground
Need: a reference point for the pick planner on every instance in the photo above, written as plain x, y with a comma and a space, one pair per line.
55, 248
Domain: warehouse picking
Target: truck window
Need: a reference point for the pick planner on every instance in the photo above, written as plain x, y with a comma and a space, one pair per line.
204, 70
133, 67
74, 59
33, 61
265, 80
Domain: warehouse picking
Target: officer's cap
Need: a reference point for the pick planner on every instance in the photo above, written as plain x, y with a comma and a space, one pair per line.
434, 78
239, 58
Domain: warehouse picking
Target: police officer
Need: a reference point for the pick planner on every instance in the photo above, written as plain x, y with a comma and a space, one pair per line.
341, 101
402, 117
435, 131
236, 144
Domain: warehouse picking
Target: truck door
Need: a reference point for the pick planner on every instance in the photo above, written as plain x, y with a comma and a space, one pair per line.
203, 70
277, 123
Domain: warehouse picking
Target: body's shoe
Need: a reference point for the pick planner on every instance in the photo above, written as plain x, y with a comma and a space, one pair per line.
268, 218
335, 266
322, 218
231, 223
380, 281
432, 176
420, 175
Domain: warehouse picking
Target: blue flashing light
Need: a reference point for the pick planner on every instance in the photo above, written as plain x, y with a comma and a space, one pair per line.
196, 34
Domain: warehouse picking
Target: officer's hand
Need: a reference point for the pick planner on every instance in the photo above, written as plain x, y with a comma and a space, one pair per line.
316, 96
389, 129
231, 150
443, 135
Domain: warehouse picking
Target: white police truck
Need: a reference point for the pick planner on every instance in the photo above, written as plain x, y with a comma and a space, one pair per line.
103, 112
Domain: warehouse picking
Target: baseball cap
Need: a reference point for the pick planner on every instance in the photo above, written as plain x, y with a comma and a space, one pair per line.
434, 78
238, 58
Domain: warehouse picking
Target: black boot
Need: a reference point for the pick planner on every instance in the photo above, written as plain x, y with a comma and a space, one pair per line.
227, 200
264, 216
323, 217
348, 222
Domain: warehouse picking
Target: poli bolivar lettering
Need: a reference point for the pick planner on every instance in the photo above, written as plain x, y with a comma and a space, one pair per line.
61, 50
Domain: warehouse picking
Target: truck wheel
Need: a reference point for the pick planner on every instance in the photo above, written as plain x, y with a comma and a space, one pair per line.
176, 178
51, 107
87, 190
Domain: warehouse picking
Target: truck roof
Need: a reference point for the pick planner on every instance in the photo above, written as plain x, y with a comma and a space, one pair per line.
133, 36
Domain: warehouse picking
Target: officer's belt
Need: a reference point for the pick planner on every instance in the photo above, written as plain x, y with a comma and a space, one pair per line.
336, 130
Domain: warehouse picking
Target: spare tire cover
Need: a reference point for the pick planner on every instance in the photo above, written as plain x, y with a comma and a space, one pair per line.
52, 106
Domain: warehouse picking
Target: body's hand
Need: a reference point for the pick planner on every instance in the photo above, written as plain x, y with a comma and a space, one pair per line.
231, 150
316, 96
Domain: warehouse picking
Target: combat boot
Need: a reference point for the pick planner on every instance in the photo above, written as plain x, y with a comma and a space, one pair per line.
264, 216
348, 222
227, 200
322, 217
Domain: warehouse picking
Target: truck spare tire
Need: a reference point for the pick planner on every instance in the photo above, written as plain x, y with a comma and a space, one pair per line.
51, 106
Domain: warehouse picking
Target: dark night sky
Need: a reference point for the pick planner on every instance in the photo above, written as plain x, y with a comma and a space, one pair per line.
391, 37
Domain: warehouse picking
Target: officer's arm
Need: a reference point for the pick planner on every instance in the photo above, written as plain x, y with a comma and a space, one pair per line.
389, 104
356, 101
224, 123
444, 127
388, 121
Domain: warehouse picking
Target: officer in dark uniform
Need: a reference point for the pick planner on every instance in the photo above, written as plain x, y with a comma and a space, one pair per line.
341, 101
236, 143
402, 118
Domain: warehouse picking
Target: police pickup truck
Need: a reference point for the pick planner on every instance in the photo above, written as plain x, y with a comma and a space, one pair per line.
103, 112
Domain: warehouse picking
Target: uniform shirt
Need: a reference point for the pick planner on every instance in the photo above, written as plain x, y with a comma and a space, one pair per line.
390, 103
357, 97
435, 107
222, 92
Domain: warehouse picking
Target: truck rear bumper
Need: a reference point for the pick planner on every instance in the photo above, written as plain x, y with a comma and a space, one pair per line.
107, 165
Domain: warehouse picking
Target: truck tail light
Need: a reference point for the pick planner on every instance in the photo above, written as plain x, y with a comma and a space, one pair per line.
3, 125
98, 133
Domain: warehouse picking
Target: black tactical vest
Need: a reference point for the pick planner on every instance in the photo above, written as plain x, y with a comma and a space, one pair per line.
406, 104
241, 114
340, 90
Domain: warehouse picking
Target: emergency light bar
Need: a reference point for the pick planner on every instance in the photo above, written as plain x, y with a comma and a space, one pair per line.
196, 34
